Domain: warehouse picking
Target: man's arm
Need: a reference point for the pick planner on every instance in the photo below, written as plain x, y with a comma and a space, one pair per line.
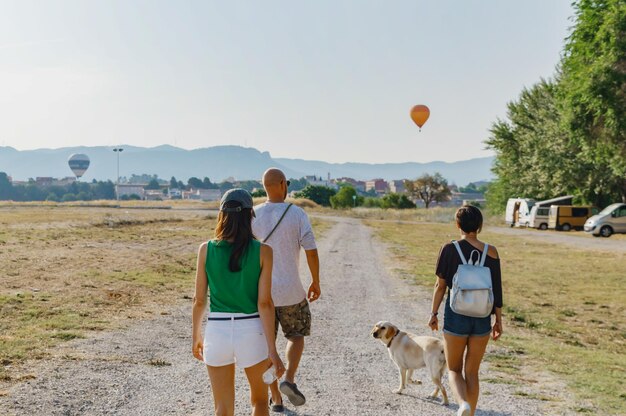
313, 261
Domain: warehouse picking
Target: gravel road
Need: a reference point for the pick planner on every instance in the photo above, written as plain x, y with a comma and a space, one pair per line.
148, 369
585, 242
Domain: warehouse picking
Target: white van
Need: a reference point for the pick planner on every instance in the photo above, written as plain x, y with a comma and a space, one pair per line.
611, 219
518, 211
539, 217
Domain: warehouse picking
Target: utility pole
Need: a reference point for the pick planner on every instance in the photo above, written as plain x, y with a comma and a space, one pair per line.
118, 150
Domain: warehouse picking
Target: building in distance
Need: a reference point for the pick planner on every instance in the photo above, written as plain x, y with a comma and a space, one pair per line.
397, 186
378, 185
358, 185
202, 194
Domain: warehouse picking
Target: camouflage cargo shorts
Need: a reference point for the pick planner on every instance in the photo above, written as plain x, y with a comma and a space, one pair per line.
295, 320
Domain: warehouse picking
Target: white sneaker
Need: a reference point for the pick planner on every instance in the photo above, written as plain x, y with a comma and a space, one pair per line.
464, 409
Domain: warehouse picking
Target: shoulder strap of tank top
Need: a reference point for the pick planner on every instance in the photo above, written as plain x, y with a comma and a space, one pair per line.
277, 224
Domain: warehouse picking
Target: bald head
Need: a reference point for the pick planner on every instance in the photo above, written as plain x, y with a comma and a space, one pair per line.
275, 184
273, 177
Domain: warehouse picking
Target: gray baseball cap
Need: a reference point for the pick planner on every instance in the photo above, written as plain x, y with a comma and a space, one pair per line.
238, 195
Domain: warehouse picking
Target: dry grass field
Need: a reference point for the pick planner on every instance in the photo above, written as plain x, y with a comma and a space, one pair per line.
565, 309
69, 270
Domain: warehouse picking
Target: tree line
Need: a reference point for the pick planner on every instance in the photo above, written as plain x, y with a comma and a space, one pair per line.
567, 134
427, 188
76, 191
96, 190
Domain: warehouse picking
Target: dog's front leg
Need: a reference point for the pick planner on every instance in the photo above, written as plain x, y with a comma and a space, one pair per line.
402, 380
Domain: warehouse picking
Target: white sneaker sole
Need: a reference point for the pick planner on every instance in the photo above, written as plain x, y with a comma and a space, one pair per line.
464, 411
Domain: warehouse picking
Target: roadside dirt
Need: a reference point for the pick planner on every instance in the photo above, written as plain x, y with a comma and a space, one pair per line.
148, 369
577, 239
585, 242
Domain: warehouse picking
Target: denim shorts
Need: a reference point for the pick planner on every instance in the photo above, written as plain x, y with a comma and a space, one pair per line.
464, 326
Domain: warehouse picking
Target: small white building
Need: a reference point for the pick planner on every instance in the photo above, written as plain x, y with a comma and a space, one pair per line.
153, 195
174, 193
203, 194
320, 181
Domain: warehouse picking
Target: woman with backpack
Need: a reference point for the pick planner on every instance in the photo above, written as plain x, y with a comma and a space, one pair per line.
470, 269
236, 270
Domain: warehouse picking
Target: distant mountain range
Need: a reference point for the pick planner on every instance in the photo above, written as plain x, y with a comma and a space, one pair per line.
219, 163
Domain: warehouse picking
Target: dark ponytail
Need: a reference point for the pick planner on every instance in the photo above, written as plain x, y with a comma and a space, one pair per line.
237, 227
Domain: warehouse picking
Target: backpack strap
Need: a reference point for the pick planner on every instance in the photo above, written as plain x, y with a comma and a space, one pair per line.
484, 256
277, 224
458, 248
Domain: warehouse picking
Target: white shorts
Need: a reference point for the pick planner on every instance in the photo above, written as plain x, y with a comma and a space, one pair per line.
241, 341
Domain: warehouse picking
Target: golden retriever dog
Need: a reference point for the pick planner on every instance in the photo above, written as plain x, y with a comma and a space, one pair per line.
410, 352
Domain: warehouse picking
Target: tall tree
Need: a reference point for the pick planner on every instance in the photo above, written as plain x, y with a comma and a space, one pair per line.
534, 155
429, 188
345, 198
593, 88
569, 135
208, 184
153, 184
6, 188
195, 183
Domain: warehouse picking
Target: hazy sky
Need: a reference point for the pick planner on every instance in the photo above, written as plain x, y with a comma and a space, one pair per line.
327, 79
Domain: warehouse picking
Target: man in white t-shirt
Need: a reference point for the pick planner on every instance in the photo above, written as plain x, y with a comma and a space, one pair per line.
292, 233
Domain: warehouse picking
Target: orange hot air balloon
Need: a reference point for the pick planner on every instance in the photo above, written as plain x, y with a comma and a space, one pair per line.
420, 114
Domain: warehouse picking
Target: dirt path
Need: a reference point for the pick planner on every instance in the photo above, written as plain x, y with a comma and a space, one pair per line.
148, 368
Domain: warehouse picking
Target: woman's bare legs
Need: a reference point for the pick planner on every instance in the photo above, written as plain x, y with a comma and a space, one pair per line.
454, 347
476, 347
223, 387
464, 381
258, 389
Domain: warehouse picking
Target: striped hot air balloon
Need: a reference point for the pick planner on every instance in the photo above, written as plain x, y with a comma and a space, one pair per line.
79, 163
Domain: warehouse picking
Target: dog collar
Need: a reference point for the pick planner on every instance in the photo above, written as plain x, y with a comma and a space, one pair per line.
391, 340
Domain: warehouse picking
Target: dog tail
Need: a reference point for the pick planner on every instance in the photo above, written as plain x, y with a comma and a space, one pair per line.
442, 356
442, 360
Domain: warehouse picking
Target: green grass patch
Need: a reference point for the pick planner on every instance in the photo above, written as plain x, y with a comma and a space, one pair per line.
30, 326
534, 396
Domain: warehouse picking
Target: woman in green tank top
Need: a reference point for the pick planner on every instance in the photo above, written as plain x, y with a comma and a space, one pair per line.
236, 270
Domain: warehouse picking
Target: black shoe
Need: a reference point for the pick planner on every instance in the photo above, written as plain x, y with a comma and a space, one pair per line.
293, 394
278, 408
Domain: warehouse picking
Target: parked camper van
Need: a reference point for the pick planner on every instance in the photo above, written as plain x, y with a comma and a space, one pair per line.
566, 217
539, 217
518, 210
540, 212
611, 219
